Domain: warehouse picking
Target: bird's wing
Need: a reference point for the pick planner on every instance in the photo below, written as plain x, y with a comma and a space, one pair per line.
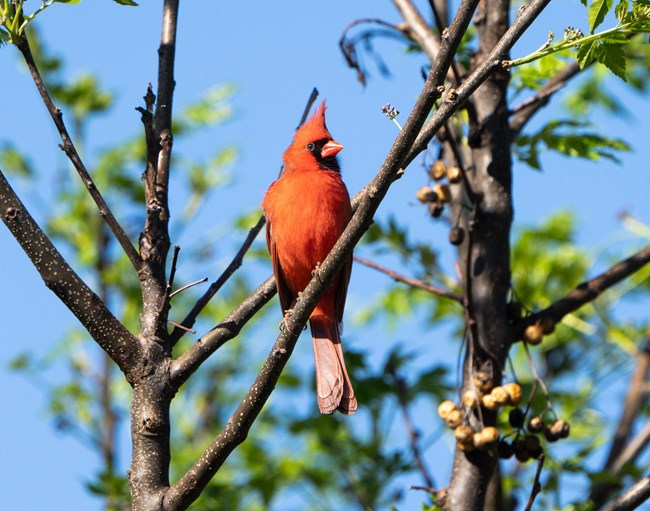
284, 293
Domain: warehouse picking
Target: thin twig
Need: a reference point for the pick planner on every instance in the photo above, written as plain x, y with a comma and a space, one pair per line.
416, 283
537, 486
181, 326
71, 151
402, 392
523, 112
187, 286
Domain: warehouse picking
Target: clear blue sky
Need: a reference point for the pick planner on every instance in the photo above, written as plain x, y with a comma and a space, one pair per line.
275, 52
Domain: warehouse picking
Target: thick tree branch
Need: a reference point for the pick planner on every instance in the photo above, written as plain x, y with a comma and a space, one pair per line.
589, 290
71, 151
632, 498
154, 240
416, 283
58, 276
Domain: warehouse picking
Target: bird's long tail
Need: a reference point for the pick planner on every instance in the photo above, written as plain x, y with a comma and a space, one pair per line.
332, 381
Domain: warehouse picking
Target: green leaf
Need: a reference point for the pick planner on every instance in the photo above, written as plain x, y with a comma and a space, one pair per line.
67, 1
597, 12
612, 56
621, 9
586, 54
126, 2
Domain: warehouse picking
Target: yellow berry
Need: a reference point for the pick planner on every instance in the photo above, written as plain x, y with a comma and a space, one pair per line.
490, 402
454, 419
426, 195
514, 392
533, 334
438, 170
470, 399
462, 433
454, 174
445, 408
443, 192
500, 396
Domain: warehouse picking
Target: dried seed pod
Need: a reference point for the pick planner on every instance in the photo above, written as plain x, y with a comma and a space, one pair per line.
500, 396
490, 402
436, 209
454, 174
557, 429
516, 418
463, 433
438, 170
482, 381
487, 437
456, 235
505, 450
533, 334
426, 195
470, 399
443, 192
445, 408
536, 424
514, 392
454, 419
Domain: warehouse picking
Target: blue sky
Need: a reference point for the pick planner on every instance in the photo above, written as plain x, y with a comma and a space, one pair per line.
274, 52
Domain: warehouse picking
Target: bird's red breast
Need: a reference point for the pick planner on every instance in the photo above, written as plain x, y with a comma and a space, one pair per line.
306, 210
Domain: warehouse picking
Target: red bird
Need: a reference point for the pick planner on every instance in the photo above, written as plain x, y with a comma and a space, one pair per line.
306, 211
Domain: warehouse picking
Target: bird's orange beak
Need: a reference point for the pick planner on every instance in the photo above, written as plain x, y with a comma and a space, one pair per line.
331, 148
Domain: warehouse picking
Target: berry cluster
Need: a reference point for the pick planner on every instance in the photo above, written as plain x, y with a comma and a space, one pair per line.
438, 195
526, 442
492, 398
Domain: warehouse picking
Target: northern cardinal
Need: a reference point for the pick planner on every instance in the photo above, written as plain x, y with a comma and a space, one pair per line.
306, 211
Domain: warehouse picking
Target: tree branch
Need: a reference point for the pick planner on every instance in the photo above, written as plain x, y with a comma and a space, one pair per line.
183, 367
104, 328
416, 283
589, 290
527, 109
188, 488
154, 240
71, 151
632, 498
455, 98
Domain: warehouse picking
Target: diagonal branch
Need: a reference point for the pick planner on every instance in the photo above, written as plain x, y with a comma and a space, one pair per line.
589, 290
188, 488
632, 498
183, 367
59, 277
527, 109
455, 98
71, 151
416, 283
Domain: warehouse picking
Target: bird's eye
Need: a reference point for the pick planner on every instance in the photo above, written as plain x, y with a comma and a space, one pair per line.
310, 146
